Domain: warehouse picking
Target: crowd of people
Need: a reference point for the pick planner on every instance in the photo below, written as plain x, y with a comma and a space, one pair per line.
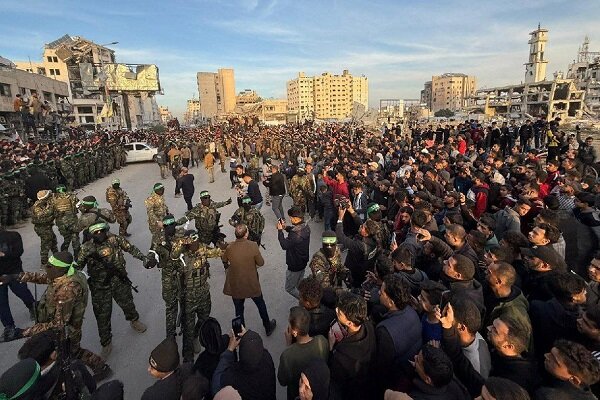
458, 262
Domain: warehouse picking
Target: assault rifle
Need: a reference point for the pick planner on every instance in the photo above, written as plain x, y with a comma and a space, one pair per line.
69, 379
111, 271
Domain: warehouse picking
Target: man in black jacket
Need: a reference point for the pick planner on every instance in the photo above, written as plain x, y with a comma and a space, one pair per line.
353, 344
573, 369
185, 183
164, 366
321, 317
276, 185
253, 191
296, 247
11, 249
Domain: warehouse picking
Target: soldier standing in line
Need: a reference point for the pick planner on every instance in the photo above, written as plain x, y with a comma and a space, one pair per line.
63, 303
156, 208
108, 280
66, 169
65, 207
326, 264
120, 203
209, 164
195, 287
4, 187
43, 214
299, 188
92, 214
251, 217
206, 217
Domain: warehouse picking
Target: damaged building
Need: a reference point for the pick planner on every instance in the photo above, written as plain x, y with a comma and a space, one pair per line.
585, 70
102, 92
537, 97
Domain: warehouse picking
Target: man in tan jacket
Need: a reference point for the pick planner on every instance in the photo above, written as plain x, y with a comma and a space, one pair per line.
209, 164
241, 259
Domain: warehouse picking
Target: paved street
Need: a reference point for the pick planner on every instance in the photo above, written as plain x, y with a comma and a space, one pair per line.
129, 358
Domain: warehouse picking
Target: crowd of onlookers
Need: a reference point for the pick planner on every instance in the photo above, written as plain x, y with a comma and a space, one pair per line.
472, 265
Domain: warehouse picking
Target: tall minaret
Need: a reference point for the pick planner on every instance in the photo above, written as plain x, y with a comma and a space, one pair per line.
535, 69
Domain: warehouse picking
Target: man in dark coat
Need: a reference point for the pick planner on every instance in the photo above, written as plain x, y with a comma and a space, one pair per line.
11, 249
164, 366
296, 246
353, 345
185, 183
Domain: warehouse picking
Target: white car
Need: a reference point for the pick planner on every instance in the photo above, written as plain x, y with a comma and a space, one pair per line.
138, 151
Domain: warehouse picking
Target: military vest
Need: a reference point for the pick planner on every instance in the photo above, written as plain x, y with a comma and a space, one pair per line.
47, 305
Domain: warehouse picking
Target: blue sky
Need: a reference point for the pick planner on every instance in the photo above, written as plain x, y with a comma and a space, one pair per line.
397, 44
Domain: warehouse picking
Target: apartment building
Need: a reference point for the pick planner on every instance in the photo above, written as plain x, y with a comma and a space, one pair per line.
217, 92
326, 96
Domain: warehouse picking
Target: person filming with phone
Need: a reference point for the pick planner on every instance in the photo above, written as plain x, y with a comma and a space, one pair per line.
353, 346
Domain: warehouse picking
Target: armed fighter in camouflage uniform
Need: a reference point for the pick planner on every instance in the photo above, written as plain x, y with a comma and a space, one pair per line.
103, 256
299, 189
92, 214
326, 264
43, 214
206, 217
65, 208
195, 286
170, 272
156, 208
251, 217
66, 169
374, 214
120, 204
63, 303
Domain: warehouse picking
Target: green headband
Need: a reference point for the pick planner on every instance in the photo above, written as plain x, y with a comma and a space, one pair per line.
372, 208
60, 264
204, 193
34, 378
158, 186
168, 221
329, 240
90, 203
61, 189
246, 200
116, 181
97, 227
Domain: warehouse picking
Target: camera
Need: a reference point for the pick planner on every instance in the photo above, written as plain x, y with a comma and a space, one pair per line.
341, 202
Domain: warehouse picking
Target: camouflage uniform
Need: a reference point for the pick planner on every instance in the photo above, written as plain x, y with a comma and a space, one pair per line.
156, 208
119, 202
330, 272
206, 219
43, 214
253, 219
65, 208
14, 189
93, 216
171, 281
64, 302
105, 286
66, 169
299, 186
196, 289
4, 187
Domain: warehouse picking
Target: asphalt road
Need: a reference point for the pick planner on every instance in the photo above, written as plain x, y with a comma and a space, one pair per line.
129, 358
